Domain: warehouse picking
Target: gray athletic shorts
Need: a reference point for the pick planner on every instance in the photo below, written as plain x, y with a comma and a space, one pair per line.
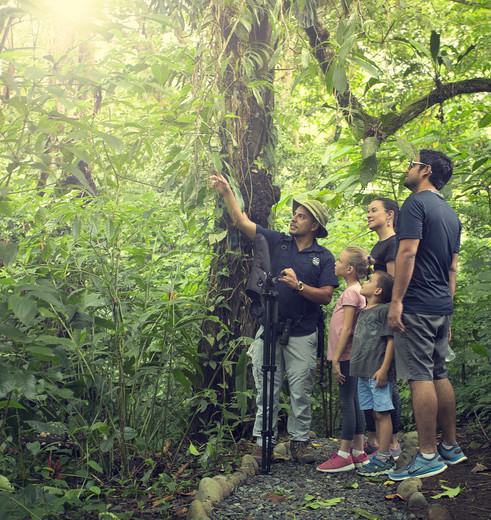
421, 349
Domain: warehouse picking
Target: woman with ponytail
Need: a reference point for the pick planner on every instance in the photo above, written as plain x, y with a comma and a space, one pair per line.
382, 218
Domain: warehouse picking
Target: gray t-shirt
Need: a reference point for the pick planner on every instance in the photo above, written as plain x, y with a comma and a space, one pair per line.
370, 342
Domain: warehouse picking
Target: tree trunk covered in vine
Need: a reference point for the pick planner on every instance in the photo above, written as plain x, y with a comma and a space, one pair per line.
244, 137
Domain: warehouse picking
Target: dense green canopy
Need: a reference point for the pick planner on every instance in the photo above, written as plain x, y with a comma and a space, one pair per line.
123, 321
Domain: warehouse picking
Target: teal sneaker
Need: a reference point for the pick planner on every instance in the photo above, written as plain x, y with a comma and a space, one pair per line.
419, 467
452, 456
377, 467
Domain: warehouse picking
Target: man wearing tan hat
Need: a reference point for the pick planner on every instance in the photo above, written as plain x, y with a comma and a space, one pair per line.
306, 282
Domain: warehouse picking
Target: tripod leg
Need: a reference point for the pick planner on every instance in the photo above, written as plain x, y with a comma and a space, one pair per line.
267, 411
269, 369
271, 398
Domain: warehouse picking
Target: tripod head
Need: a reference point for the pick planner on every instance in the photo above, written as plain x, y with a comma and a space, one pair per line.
260, 282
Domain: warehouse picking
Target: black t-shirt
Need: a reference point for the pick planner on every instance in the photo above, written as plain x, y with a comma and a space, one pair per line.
427, 216
316, 270
383, 252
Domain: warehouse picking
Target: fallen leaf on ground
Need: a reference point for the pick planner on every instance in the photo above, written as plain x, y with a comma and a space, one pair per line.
392, 497
181, 469
181, 512
364, 514
189, 494
478, 468
273, 498
450, 492
352, 486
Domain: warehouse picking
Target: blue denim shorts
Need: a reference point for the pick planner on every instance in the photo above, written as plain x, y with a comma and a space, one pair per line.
371, 398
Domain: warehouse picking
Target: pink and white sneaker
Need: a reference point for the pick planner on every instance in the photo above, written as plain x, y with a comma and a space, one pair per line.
360, 460
369, 448
337, 464
395, 452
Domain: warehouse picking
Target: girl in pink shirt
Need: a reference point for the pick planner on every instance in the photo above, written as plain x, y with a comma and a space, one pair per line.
353, 264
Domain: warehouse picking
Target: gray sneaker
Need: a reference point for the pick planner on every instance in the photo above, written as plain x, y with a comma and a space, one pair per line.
419, 467
302, 452
452, 456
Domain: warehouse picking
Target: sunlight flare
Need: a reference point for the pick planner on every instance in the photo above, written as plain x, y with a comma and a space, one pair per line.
73, 12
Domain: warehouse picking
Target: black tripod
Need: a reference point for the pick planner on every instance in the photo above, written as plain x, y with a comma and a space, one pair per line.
270, 297
260, 288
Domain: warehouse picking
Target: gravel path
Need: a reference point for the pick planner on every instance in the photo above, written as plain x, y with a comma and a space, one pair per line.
284, 494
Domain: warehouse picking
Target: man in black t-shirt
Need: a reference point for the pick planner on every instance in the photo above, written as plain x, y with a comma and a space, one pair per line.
428, 236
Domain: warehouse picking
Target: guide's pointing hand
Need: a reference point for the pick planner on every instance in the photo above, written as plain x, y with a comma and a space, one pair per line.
219, 182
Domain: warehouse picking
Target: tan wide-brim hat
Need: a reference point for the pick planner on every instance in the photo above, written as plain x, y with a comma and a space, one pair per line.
318, 211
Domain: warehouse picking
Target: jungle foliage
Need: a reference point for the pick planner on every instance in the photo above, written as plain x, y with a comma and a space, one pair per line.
123, 321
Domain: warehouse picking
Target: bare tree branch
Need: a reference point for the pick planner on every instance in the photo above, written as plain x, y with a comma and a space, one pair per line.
383, 127
442, 93
486, 5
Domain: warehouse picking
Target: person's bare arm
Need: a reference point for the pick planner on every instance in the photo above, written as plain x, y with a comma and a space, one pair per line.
404, 267
321, 295
452, 283
452, 275
381, 374
344, 336
239, 218
391, 267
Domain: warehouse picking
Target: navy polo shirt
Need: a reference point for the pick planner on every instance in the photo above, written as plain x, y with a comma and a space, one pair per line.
314, 270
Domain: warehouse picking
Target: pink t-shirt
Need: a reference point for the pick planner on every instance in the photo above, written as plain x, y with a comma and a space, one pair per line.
350, 296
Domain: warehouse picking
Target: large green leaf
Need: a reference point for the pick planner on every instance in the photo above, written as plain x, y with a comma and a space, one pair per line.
43, 353
434, 47
113, 141
24, 308
368, 169
52, 427
241, 381
369, 66
161, 72
407, 147
21, 381
346, 47
369, 147
339, 79
480, 349
8, 252
11, 332
75, 170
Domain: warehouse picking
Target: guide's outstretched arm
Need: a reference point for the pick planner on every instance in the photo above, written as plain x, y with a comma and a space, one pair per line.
239, 218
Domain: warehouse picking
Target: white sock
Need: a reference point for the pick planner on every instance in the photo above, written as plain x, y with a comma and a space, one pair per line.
356, 453
448, 448
383, 456
427, 456
343, 454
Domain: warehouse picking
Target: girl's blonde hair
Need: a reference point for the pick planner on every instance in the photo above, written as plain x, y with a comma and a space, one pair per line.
360, 260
